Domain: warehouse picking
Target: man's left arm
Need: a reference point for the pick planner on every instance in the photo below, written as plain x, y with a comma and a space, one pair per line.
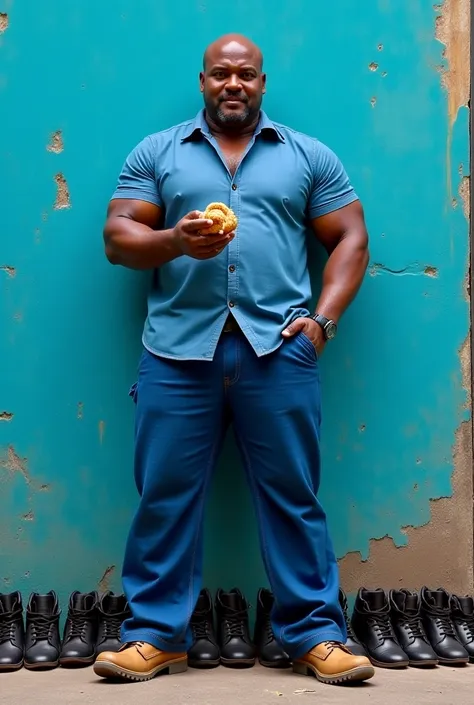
337, 219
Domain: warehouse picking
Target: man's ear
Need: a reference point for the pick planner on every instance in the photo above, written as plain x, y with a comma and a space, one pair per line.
201, 82
264, 82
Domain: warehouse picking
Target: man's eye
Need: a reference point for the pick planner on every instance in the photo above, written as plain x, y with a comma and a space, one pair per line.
248, 76
219, 74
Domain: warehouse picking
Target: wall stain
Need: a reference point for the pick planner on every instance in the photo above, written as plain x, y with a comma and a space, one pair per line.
29, 516
80, 410
101, 431
6, 416
56, 144
373, 66
104, 582
3, 22
63, 199
13, 464
431, 271
465, 195
11, 271
412, 566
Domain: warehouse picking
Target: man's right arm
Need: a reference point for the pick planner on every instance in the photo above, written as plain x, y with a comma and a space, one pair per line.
131, 236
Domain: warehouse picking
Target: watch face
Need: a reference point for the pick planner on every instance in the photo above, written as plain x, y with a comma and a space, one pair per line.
331, 330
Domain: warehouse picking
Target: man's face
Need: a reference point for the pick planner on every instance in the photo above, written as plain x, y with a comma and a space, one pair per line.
233, 85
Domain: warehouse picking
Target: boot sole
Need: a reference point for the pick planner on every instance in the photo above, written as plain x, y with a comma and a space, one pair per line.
275, 664
40, 666
452, 661
238, 663
76, 662
204, 664
11, 667
360, 673
381, 664
423, 664
107, 669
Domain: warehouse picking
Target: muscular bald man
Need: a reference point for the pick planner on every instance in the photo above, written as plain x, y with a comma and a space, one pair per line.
229, 336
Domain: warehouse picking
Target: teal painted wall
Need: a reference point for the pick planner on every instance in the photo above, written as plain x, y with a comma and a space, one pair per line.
107, 73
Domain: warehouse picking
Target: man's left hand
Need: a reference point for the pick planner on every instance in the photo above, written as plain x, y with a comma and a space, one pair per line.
310, 328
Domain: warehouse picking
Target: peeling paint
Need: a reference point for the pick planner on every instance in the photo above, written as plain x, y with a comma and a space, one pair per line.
373, 66
373, 101
63, 199
465, 195
11, 271
447, 533
104, 582
13, 464
5, 416
379, 47
3, 22
413, 269
29, 516
56, 144
452, 30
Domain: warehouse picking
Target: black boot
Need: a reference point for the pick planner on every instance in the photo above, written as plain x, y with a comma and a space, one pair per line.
42, 641
270, 653
112, 611
462, 614
405, 613
12, 632
373, 628
80, 630
204, 652
436, 613
352, 642
233, 635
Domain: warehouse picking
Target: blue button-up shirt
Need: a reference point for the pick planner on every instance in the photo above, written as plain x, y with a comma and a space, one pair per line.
261, 277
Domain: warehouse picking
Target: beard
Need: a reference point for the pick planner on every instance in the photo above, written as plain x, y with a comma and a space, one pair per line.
234, 118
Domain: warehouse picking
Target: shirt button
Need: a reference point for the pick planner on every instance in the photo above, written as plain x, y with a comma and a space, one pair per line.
231, 304
231, 268
234, 187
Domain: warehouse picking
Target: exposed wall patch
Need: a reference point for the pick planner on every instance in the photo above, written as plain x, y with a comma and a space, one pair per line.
56, 144
63, 199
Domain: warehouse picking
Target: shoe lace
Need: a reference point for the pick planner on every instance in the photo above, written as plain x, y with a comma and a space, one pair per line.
41, 625
78, 624
267, 631
349, 630
382, 626
235, 623
111, 626
415, 626
200, 627
444, 623
7, 625
468, 626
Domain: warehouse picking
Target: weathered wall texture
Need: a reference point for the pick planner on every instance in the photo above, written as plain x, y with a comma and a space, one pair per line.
386, 85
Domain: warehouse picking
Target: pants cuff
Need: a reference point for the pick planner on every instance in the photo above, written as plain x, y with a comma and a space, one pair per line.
316, 638
155, 640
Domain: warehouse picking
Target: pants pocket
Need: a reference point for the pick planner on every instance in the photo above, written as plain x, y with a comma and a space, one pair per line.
133, 392
308, 345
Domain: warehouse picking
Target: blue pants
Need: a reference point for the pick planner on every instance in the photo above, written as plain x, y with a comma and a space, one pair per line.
183, 410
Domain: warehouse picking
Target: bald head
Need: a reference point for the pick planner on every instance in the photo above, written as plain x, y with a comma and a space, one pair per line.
232, 82
234, 43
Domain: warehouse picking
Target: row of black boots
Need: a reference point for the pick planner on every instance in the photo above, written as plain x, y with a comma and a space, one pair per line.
404, 628
226, 639
92, 626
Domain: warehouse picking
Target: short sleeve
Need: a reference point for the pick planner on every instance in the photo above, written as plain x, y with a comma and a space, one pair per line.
137, 179
331, 186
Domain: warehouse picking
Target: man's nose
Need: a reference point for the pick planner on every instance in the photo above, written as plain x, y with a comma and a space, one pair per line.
234, 83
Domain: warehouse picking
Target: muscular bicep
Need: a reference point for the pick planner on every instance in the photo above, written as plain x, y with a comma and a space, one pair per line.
142, 212
333, 227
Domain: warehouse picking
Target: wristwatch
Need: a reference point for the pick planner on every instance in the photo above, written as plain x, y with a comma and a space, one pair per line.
329, 326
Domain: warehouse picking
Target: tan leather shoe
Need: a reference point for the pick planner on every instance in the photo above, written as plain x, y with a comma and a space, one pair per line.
332, 662
138, 661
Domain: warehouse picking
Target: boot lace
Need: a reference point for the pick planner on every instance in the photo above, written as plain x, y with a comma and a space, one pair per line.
111, 627
235, 623
267, 631
78, 625
200, 628
349, 630
467, 624
444, 623
415, 627
7, 625
41, 625
382, 626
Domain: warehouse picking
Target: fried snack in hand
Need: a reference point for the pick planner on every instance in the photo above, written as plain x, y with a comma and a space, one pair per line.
223, 218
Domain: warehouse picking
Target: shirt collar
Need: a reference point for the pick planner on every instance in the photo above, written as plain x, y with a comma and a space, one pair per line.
199, 127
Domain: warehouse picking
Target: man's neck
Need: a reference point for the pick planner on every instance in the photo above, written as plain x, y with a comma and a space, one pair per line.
232, 134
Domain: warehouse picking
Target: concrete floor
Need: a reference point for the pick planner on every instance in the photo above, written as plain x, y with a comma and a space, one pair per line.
222, 686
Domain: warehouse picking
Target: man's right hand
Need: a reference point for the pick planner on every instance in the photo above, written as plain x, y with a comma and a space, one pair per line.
191, 243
